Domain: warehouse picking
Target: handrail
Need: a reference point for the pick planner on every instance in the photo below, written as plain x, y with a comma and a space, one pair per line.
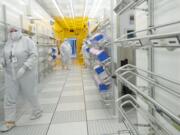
151, 37
132, 128
132, 67
172, 116
149, 117
154, 82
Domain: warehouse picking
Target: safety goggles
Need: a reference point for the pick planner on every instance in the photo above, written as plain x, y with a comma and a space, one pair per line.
13, 30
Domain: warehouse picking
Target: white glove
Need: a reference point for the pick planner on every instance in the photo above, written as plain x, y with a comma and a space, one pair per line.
21, 72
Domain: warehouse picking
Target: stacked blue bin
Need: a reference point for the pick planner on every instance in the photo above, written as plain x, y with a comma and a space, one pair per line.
102, 86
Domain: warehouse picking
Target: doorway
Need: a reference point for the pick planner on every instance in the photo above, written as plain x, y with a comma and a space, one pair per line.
72, 42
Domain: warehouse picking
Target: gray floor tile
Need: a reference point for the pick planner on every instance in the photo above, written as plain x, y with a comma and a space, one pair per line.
47, 108
72, 99
69, 88
95, 105
105, 127
28, 130
91, 92
69, 116
49, 94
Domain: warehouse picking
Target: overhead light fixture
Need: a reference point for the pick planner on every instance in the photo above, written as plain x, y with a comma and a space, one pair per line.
84, 14
59, 11
72, 11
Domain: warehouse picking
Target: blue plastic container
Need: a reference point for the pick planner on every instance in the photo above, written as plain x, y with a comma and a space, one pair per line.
102, 56
99, 69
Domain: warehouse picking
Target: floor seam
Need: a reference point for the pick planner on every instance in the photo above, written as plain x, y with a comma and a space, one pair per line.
85, 102
60, 95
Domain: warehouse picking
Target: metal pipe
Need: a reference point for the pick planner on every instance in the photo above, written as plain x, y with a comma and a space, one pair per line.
149, 72
134, 131
168, 35
165, 110
157, 75
150, 118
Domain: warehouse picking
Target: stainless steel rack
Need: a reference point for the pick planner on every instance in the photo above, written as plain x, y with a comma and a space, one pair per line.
123, 74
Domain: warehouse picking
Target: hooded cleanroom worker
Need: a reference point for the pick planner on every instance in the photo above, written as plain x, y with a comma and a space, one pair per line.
65, 51
20, 65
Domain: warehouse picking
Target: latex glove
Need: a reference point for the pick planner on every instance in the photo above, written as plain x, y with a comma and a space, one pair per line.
21, 72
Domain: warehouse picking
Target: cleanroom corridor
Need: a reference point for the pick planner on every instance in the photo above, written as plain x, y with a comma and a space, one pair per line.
89, 67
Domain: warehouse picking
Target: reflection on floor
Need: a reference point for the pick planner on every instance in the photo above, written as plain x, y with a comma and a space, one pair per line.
71, 106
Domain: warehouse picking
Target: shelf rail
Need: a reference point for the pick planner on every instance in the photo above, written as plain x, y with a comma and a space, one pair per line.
120, 72
168, 40
158, 40
152, 122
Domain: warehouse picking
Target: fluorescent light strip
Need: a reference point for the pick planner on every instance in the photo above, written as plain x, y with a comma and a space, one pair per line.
85, 9
59, 11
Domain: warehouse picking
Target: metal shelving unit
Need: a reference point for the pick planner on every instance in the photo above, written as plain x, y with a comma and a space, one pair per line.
128, 75
123, 76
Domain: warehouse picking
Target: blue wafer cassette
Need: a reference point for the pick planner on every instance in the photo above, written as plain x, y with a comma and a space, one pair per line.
103, 56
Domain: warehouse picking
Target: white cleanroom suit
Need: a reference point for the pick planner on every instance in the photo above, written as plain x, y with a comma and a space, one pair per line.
20, 64
86, 55
65, 51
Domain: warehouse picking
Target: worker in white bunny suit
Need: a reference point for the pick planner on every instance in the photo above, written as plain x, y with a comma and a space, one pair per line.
86, 55
65, 52
20, 65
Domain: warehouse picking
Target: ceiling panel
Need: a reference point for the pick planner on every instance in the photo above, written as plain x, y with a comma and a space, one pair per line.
78, 7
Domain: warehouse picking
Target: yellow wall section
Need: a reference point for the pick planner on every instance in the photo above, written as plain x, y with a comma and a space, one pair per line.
80, 27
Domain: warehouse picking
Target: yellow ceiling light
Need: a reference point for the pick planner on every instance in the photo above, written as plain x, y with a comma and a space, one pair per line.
59, 11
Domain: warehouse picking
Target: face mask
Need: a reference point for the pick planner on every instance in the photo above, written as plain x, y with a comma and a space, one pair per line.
15, 35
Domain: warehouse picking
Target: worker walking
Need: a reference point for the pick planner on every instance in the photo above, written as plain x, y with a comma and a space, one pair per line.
20, 64
65, 52
86, 55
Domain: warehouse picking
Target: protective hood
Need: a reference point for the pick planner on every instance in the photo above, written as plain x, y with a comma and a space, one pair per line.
14, 33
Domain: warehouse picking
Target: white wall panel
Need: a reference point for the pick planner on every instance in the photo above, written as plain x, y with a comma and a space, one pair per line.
167, 63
